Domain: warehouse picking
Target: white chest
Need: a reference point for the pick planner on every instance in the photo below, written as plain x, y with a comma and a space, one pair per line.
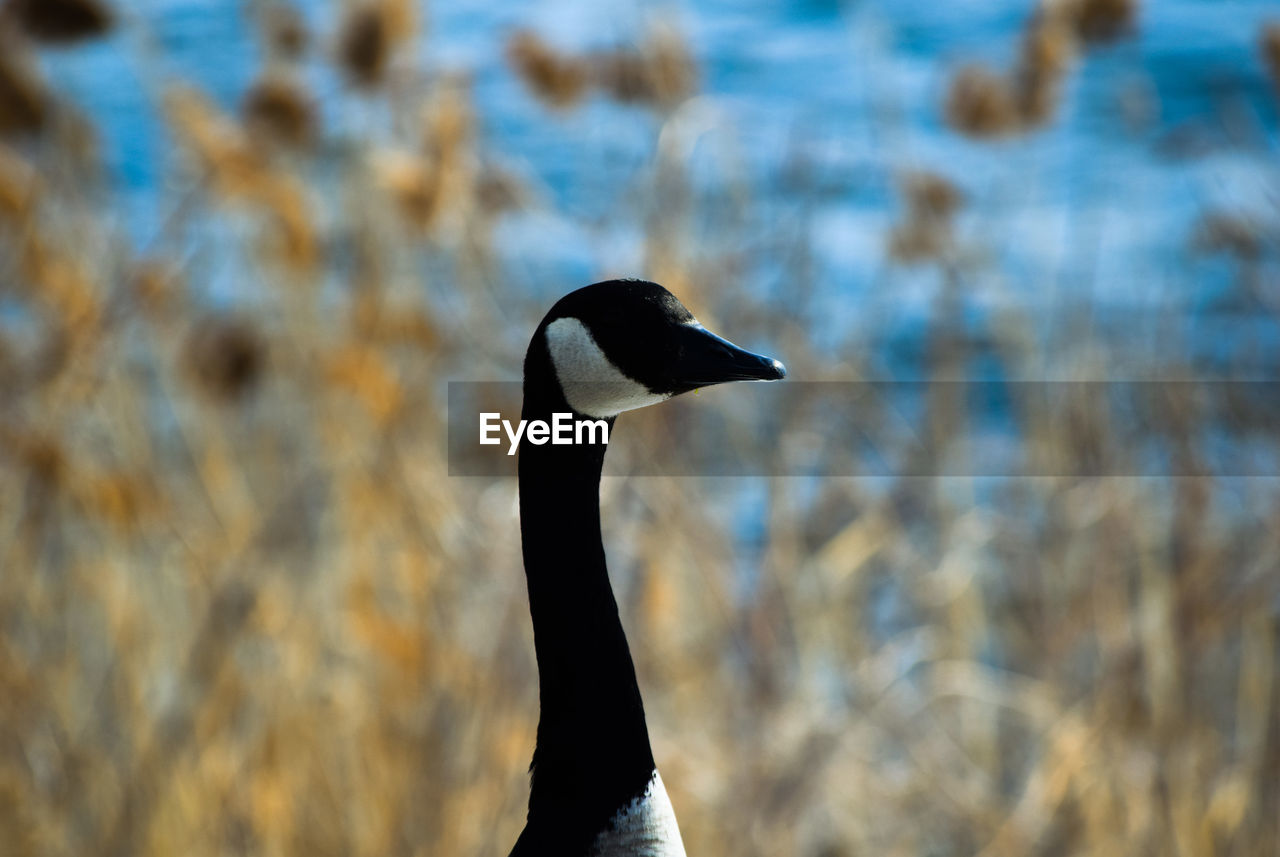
645, 828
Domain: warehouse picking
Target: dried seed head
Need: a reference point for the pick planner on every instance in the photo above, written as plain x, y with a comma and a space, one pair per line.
1270, 43
18, 186
60, 21
926, 232
558, 80
239, 171
280, 110
1104, 20
980, 103
285, 30
660, 73
119, 498
46, 461
623, 75
672, 71
498, 190
931, 195
10, 368
1048, 46
24, 103
364, 44
414, 182
226, 358
155, 285
916, 242
1233, 234
1036, 98
43, 457
217, 141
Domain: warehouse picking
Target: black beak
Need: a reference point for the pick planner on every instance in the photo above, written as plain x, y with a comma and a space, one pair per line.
707, 359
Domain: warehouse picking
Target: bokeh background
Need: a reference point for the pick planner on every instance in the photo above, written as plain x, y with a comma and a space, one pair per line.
245, 245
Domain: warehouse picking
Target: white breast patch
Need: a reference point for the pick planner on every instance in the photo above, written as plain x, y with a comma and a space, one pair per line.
591, 383
644, 828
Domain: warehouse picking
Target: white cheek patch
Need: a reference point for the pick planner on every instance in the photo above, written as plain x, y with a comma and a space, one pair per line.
591, 383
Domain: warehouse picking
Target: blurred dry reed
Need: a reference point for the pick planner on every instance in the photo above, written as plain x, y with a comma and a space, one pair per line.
24, 103
279, 110
983, 103
59, 21
1219, 232
559, 80
284, 30
1270, 44
237, 171
659, 72
925, 233
371, 32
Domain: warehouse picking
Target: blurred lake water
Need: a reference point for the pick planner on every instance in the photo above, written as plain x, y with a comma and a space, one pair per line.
815, 109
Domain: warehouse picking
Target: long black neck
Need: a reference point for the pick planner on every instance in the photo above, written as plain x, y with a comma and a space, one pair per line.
593, 753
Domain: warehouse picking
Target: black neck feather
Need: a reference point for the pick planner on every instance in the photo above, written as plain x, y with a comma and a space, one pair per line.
593, 753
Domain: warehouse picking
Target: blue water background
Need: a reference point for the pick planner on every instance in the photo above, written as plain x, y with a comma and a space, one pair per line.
1097, 205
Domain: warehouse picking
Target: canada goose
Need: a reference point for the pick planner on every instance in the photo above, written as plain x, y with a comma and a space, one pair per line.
601, 350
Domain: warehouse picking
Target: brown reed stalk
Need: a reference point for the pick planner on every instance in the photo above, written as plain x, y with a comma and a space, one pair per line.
60, 21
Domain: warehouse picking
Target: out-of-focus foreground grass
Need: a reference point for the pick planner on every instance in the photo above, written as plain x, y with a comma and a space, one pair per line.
243, 608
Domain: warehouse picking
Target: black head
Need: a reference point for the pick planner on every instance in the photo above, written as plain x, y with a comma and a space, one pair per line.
624, 344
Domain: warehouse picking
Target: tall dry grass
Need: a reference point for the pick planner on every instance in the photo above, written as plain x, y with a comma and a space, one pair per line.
244, 609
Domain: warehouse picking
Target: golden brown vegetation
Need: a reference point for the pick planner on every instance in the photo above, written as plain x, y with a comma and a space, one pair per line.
279, 110
1218, 232
237, 171
1270, 43
285, 31
983, 103
559, 80
244, 609
370, 34
1104, 20
658, 72
59, 21
925, 232
24, 104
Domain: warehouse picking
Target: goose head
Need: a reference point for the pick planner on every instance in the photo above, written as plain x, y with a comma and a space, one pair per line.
623, 344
